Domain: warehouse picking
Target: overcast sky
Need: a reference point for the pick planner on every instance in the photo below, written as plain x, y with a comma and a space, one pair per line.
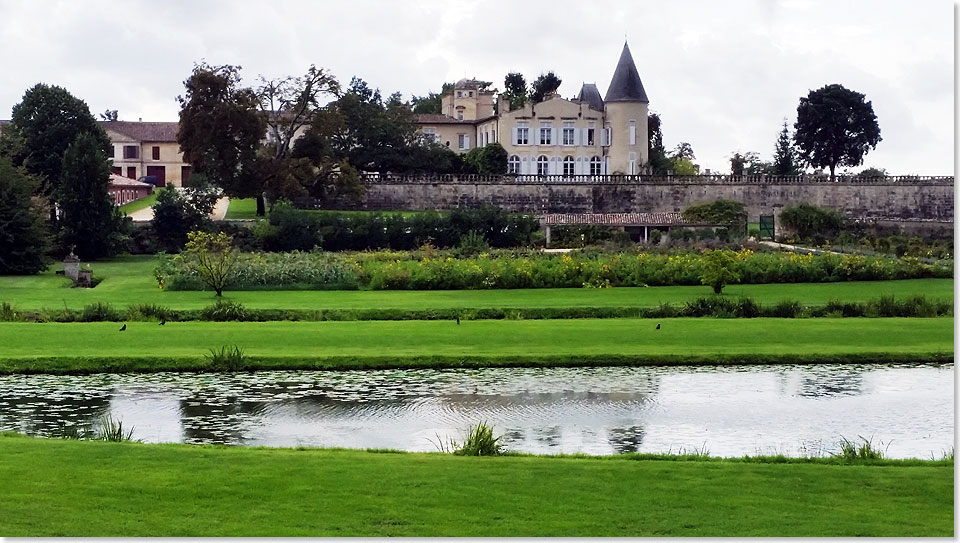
722, 74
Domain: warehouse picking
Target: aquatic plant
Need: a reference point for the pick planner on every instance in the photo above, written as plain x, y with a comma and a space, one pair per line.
479, 442
110, 429
227, 358
850, 450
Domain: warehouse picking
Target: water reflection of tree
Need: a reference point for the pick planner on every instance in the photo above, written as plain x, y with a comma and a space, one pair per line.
627, 439
47, 414
818, 382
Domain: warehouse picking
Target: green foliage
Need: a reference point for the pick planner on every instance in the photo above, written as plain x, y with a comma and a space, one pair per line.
717, 269
717, 212
515, 88
835, 127
98, 312
24, 238
852, 451
812, 222
177, 213
221, 128
872, 172
472, 243
90, 221
785, 157
110, 429
491, 159
211, 257
225, 310
659, 163
43, 125
431, 103
542, 86
227, 358
683, 166
479, 441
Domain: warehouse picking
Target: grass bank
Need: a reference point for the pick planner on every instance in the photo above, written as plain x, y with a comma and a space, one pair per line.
142, 203
246, 208
71, 488
129, 281
91, 347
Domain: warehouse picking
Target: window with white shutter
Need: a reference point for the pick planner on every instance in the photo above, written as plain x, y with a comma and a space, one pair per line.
632, 132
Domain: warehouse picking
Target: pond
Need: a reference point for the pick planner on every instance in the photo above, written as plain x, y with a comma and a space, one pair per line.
796, 410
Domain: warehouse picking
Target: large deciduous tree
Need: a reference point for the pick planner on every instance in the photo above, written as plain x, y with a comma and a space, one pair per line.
90, 221
221, 128
24, 238
544, 85
42, 126
835, 126
659, 162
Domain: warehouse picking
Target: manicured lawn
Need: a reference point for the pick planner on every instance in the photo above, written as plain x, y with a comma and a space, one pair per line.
142, 203
129, 281
242, 208
182, 345
73, 488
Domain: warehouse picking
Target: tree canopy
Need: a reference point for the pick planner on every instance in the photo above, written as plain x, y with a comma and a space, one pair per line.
659, 163
835, 126
42, 126
91, 222
785, 158
515, 88
221, 128
542, 86
24, 238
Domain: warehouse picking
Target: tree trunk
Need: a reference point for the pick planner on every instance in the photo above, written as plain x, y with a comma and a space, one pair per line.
219, 292
261, 206
833, 168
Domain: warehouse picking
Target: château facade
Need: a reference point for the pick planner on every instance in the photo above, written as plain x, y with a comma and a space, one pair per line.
586, 135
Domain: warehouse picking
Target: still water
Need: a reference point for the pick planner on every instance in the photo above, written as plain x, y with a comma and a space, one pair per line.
729, 411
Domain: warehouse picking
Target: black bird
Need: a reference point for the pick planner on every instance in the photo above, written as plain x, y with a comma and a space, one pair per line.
163, 321
658, 326
124, 327
458, 320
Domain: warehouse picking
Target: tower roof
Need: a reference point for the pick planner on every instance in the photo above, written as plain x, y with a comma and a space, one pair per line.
626, 85
591, 95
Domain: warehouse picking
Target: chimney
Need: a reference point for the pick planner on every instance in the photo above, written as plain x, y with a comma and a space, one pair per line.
139, 119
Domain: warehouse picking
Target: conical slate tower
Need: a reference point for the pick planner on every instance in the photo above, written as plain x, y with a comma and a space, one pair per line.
626, 85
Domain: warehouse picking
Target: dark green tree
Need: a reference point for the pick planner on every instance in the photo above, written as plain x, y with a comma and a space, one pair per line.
659, 162
835, 126
90, 221
873, 172
431, 103
24, 238
178, 213
221, 129
785, 158
544, 85
109, 115
491, 159
42, 126
749, 163
683, 150
515, 88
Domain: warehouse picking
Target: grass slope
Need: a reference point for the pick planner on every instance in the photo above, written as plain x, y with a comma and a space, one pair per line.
144, 346
129, 281
70, 488
242, 208
142, 203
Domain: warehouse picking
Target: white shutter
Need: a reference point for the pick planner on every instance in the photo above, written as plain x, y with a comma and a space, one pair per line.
513, 134
585, 138
632, 134
466, 142
523, 165
576, 137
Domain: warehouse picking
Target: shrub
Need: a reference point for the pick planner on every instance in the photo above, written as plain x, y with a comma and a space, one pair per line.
211, 258
227, 358
812, 222
472, 243
718, 270
224, 310
479, 442
787, 309
110, 429
864, 451
99, 312
718, 212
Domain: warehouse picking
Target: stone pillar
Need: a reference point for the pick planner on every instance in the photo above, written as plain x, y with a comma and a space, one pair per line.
71, 266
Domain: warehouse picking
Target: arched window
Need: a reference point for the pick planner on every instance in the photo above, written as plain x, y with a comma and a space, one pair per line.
595, 168
542, 165
513, 164
568, 165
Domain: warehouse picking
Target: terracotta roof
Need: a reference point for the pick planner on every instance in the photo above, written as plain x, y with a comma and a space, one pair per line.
626, 85
144, 131
435, 118
656, 218
121, 181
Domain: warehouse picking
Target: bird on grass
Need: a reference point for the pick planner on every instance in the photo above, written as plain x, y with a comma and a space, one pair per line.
163, 321
458, 320
658, 326
124, 327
